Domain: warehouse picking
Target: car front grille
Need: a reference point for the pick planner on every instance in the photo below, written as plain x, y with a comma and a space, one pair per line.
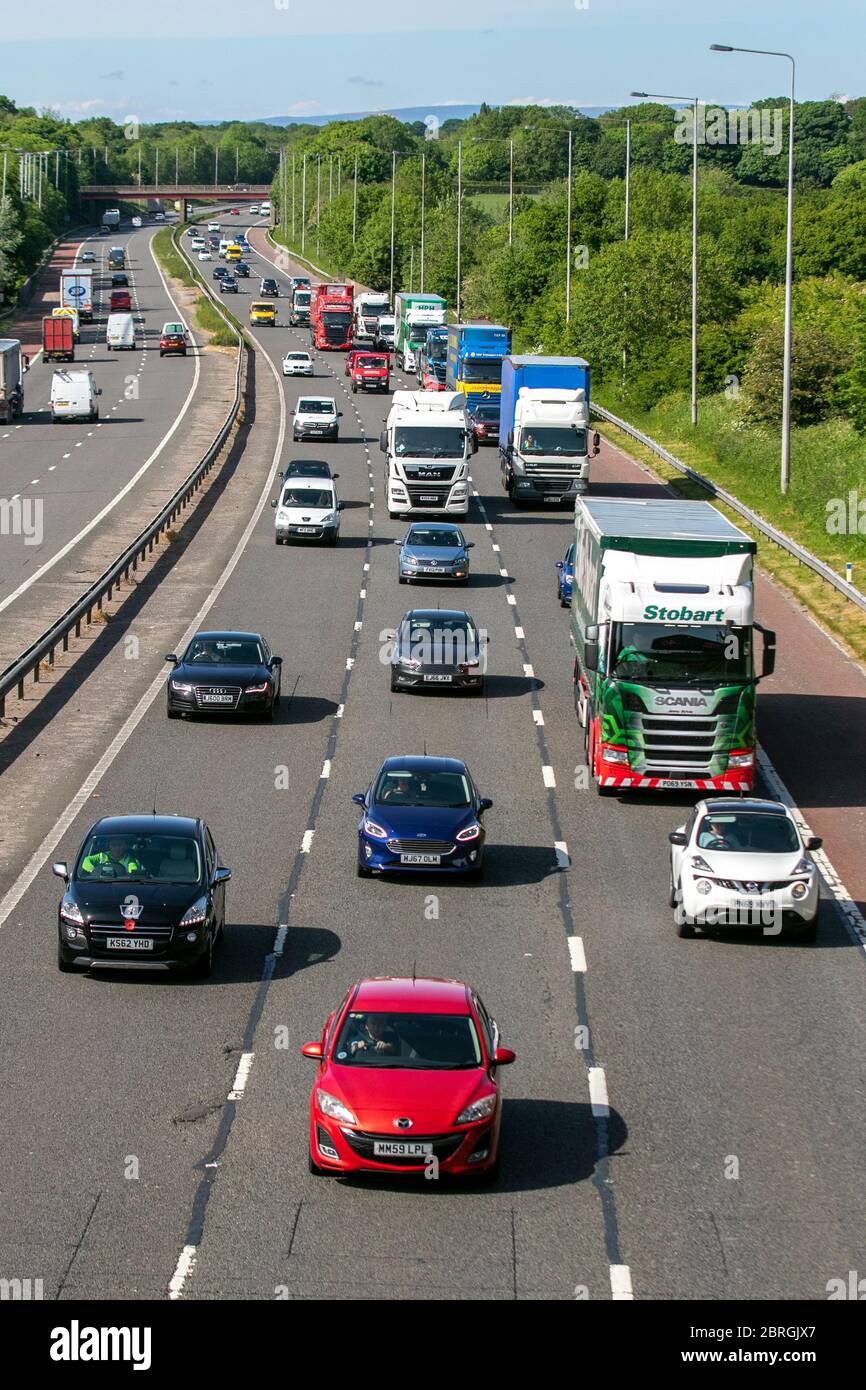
421, 846
735, 885
361, 1143
677, 742
161, 935
424, 473
202, 690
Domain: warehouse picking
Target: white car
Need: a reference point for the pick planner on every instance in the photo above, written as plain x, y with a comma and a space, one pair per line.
87, 257
199, 243
205, 255
136, 221
254, 209
742, 862
308, 510
316, 417
214, 227
297, 364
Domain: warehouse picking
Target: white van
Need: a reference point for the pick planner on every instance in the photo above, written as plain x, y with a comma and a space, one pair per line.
73, 396
120, 332
224, 246
307, 510
214, 227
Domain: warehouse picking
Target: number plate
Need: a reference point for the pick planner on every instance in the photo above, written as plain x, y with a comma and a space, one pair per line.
430, 497
673, 782
217, 699
400, 1148
748, 904
552, 499
439, 678
130, 943
432, 569
420, 858
306, 530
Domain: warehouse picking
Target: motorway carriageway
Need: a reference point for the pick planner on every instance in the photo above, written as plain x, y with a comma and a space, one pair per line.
684, 1119
80, 469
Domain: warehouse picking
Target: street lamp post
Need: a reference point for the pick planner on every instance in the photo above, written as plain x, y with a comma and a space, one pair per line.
459, 217
694, 100
789, 257
304, 205
568, 238
393, 216
423, 200
355, 203
511, 191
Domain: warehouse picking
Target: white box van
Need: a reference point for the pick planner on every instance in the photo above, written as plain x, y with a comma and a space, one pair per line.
74, 396
307, 510
120, 332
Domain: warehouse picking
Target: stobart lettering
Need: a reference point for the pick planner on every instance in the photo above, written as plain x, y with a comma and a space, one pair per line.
684, 615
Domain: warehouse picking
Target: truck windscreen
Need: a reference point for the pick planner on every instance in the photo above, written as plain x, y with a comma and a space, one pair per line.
336, 318
433, 443
481, 370
553, 440
703, 654
437, 351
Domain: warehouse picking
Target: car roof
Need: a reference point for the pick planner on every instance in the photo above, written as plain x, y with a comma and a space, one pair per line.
439, 525
738, 803
139, 823
416, 614
417, 763
228, 636
423, 995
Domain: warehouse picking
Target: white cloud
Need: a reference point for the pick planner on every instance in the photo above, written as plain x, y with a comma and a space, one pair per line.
538, 101
304, 108
86, 108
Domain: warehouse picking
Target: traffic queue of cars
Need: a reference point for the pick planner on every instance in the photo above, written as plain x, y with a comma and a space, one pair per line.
406, 1068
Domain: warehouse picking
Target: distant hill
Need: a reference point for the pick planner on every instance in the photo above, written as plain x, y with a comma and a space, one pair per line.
408, 114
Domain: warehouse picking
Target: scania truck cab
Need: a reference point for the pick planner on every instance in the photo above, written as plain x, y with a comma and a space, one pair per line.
663, 632
428, 441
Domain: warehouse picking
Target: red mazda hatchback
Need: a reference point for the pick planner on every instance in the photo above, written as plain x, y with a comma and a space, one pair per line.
407, 1082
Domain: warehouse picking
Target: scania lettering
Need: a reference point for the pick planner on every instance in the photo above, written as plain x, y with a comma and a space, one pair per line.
428, 441
663, 633
475, 355
544, 441
415, 314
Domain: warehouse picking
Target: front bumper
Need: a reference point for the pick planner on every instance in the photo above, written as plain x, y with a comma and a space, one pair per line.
732, 907
620, 776
379, 383
419, 680
171, 949
316, 431
419, 572
454, 1150
247, 704
313, 533
376, 856
445, 502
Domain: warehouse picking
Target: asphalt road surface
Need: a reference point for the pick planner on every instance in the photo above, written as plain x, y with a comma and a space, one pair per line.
684, 1119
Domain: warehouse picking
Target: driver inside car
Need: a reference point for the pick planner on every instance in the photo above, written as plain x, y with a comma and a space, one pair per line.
115, 862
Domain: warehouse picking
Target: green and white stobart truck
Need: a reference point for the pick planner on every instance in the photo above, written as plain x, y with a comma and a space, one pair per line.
663, 631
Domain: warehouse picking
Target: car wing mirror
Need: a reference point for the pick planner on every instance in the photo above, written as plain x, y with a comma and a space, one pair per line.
503, 1057
596, 443
340, 506
678, 837
814, 842
61, 869
313, 1050
485, 803
222, 875
274, 502
383, 441
171, 656
359, 799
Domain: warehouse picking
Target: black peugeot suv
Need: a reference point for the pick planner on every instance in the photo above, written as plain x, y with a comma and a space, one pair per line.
145, 891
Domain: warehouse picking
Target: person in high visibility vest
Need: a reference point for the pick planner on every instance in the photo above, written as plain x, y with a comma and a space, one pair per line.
115, 862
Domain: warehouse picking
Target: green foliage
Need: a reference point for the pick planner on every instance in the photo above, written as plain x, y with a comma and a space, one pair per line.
816, 363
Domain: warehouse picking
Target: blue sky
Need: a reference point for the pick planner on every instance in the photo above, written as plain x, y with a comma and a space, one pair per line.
246, 58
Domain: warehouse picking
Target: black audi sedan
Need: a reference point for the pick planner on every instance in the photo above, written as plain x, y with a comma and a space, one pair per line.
438, 649
224, 673
145, 891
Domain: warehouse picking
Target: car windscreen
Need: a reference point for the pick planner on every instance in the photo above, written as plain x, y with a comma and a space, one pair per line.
302, 299
215, 651
311, 407
141, 858
269, 284
297, 357
299, 469
408, 1041
438, 640
438, 536
307, 497
434, 442
553, 439
369, 364
399, 787
744, 832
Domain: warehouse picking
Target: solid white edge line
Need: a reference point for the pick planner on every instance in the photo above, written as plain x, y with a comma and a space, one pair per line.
109, 507
38, 859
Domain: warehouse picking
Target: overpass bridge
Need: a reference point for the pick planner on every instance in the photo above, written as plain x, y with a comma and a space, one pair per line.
193, 192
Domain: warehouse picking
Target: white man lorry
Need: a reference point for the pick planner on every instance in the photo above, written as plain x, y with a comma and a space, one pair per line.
427, 441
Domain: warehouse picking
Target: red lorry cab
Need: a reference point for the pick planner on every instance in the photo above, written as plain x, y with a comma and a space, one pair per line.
58, 339
331, 309
120, 302
370, 371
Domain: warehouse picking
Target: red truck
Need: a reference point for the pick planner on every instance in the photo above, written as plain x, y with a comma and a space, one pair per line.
370, 371
331, 311
58, 339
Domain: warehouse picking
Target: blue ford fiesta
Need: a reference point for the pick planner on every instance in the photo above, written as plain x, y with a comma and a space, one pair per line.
421, 814
565, 578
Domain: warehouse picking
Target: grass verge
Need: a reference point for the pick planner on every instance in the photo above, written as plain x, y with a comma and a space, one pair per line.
205, 317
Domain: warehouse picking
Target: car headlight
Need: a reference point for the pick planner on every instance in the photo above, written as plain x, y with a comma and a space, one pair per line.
741, 760
614, 755
182, 687
371, 827
803, 866
330, 519
410, 560
470, 833
698, 862
195, 913
71, 912
479, 1110
703, 886
799, 890
410, 663
333, 1108
257, 689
